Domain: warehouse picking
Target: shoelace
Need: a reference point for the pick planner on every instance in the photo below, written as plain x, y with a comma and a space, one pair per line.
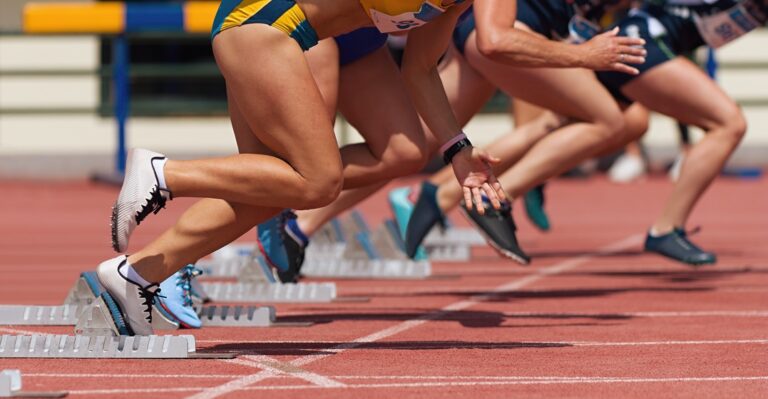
154, 204
149, 298
185, 283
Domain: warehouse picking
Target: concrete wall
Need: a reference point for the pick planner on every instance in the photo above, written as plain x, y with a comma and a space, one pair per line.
74, 144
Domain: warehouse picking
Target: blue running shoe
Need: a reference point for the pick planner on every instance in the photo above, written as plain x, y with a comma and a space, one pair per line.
402, 208
675, 245
283, 247
534, 208
176, 302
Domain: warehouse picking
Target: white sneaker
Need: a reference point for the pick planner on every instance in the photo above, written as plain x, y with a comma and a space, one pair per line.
140, 195
134, 300
626, 169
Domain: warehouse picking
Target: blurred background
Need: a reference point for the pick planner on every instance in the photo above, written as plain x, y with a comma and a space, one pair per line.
60, 94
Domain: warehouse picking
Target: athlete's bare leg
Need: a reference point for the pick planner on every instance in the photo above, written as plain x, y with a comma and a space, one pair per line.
680, 89
271, 171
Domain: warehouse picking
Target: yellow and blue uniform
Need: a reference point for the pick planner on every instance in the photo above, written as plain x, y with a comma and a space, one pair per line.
287, 16
284, 15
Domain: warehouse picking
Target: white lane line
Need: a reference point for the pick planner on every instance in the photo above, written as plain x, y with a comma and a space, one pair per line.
338, 377
279, 368
595, 343
537, 275
697, 313
439, 384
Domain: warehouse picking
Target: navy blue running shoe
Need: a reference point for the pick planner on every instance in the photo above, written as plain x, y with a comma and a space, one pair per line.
498, 228
534, 208
426, 214
676, 245
283, 245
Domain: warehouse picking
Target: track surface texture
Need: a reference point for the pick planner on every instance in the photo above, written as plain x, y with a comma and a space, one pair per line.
593, 316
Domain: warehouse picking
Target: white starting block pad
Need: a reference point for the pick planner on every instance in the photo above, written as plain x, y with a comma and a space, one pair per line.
210, 315
100, 346
10, 387
271, 293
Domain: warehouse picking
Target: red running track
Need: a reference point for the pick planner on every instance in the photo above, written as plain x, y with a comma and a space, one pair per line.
592, 317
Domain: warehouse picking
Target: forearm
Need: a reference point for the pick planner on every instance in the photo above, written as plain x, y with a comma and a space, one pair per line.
520, 48
429, 99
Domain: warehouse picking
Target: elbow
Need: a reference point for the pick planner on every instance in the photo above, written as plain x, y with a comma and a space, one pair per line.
489, 45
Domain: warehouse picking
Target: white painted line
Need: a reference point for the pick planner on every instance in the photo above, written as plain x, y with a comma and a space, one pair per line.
536, 275
439, 384
575, 343
278, 368
698, 313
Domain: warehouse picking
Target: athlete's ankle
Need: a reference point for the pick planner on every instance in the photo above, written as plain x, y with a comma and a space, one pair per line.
143, 269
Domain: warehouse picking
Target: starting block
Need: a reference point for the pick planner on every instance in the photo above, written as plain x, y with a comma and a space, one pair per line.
10, 387
85, 293
103, 347
271, 293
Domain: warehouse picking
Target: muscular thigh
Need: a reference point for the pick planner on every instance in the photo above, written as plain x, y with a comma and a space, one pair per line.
271, 83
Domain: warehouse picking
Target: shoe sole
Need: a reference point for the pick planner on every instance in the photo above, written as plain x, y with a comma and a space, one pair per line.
680, 260
117, 314
172, 317
501, 251
115, 241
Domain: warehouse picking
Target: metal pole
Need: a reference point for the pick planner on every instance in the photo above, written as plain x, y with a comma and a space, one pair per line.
120, 66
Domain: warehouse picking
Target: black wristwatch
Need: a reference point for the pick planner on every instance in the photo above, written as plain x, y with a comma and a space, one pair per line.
455, 149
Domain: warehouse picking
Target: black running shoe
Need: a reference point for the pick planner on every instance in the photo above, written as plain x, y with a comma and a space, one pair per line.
426, 214
676, 245
498, 228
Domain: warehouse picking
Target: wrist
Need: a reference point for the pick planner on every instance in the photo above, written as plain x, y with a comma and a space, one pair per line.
454, 146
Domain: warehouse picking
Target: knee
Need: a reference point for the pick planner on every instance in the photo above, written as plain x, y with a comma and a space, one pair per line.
734, 124
612, 126
321, 187
405, 156
634, 128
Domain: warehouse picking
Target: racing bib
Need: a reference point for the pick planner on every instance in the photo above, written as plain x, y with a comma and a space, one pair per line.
581, 29
407, 20
724, 27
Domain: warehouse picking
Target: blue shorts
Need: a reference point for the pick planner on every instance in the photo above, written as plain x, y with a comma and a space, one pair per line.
666, 37
546, 17
358, 44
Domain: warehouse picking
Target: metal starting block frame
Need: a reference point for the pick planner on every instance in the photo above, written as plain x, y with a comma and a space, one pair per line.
10, 387
102, 347
82, 298
271, 293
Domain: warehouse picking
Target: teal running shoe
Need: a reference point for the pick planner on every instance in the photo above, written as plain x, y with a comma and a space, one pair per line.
402, 208
176, 302
283, 245
534, 208
676, 245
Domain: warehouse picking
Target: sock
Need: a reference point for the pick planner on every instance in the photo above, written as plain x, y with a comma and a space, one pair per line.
159, 165
654, 233
293, 230
134, 276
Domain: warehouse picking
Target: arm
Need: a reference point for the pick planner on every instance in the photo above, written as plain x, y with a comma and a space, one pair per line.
425, 46
498, 39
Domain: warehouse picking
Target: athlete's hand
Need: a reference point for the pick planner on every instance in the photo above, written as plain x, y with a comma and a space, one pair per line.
610, 52
472, 167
